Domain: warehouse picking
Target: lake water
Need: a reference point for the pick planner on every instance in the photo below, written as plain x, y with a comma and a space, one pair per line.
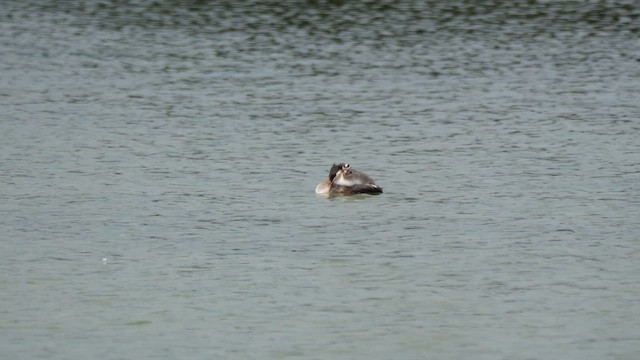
158, 162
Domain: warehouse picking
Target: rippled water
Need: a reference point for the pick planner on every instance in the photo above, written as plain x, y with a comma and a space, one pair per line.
158, 162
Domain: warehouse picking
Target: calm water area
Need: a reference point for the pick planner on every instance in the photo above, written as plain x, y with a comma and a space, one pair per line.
158, 161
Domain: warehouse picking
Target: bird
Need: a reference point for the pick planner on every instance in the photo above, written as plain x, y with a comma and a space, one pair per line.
344, 180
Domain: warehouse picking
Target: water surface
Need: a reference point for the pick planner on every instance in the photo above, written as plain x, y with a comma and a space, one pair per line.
158, 162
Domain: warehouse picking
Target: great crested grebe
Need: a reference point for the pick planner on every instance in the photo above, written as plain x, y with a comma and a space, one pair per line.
343, 180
